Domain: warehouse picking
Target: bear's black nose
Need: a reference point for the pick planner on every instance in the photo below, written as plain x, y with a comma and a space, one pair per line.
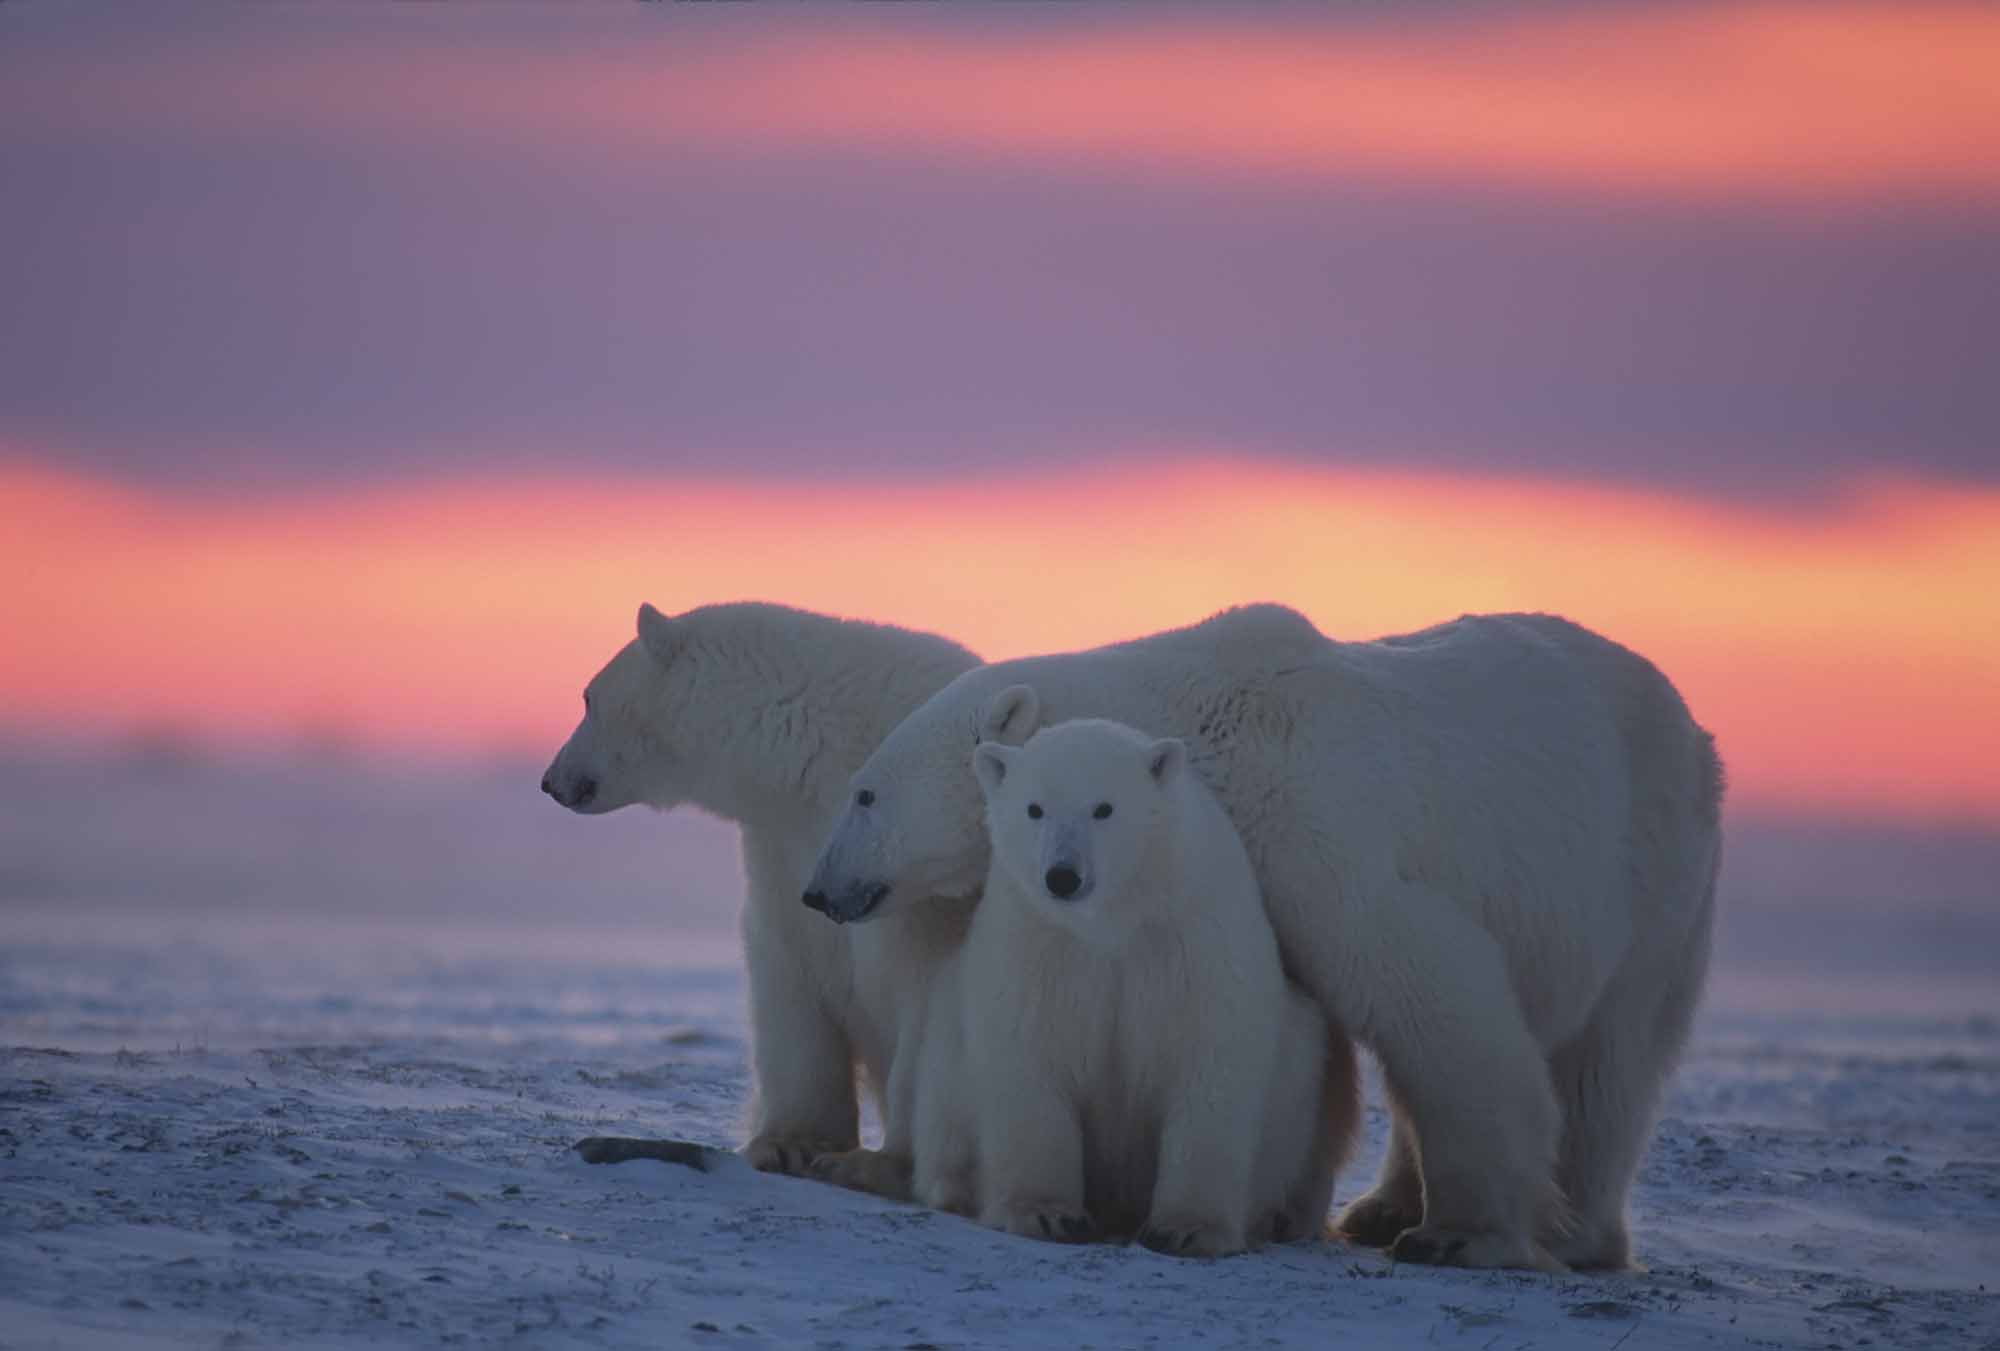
815, 900
1062, 882
579, 795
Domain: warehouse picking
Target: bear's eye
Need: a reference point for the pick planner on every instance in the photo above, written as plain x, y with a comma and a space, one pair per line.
1103, 811
1034, 811
865, 798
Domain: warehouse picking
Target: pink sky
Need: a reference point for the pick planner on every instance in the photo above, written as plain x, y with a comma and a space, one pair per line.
363, 367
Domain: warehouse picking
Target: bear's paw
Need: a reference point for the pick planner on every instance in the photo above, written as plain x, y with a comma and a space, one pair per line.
1374, 1220
1052, 1223
789, 1155
874, 1171
1189, 1236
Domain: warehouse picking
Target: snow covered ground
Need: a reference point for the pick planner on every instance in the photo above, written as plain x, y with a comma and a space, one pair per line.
307, 1133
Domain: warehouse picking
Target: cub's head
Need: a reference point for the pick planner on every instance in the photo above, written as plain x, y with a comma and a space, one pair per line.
640, 740
1077, 815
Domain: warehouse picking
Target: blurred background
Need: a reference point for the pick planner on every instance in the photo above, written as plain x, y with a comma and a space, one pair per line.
362, 368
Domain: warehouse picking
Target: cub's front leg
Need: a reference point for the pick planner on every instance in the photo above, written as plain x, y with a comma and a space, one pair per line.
1031, 1162
1209, 1139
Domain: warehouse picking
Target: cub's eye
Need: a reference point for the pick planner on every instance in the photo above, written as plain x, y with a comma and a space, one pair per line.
1103, 811
865, 798
1034, 811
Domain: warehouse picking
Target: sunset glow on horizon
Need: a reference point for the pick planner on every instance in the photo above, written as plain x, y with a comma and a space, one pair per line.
1833, 648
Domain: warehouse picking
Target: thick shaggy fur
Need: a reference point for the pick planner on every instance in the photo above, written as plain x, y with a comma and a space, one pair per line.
1488, 851
1133, 1060
760, 714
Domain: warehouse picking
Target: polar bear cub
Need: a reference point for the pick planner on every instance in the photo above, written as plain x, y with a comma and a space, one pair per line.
1134, 1060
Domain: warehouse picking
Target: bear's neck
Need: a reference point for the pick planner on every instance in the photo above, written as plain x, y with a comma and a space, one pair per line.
788, 763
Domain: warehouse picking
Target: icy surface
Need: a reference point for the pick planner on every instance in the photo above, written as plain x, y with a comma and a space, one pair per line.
301, 1133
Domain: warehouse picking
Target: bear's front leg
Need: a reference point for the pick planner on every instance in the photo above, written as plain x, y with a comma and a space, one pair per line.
946, 1140
1031, 1163
805, 1104
802, 1062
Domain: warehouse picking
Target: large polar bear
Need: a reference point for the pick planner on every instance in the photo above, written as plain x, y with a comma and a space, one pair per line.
1488, 850
759, 714
1133, 1059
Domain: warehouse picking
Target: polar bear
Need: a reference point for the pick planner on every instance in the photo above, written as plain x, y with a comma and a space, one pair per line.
1133, 1058
1488, 851
759, 714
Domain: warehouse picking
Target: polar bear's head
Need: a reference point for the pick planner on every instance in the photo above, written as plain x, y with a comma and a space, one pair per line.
640, 739
913, 825
1077, 815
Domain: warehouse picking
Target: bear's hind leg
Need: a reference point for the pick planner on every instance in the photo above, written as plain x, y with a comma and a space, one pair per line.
1427, 988
1609, 1081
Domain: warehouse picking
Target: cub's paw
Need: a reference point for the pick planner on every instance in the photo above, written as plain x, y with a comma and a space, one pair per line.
787, 1154
866, 1170
1374, 1220
1428, 1246
1189, 1237
1051, 1223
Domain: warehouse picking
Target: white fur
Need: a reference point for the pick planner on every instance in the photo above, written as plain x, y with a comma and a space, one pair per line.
759, 714
1133, 1060
1488, 850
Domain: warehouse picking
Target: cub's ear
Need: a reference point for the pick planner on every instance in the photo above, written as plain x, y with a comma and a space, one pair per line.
991, 762
1165, 760
1011, 716
660, 635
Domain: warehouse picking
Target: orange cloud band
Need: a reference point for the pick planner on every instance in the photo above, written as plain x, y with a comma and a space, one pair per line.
1768, 101
1848, 656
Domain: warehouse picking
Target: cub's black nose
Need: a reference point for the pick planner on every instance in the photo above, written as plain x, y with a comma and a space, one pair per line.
548, 787
1062, 882
815, 900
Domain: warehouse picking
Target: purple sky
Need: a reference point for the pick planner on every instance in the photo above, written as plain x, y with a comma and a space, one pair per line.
206, 294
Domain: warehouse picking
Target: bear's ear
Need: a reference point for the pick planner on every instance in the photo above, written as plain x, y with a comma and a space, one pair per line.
660, 635
1165, 760
1011, 716
991, 762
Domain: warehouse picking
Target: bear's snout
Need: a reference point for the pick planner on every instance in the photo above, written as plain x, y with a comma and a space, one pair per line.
581, 794
856, 903
1062, 881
